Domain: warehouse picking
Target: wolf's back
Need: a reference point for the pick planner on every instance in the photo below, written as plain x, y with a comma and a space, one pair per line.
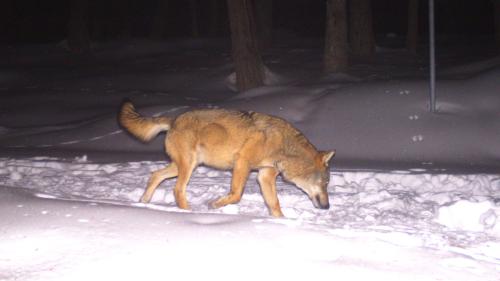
143, 128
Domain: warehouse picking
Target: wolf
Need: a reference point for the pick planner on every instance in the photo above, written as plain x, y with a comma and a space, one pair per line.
238, 140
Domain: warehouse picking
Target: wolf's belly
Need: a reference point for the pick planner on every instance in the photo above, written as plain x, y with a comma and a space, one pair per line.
219, 156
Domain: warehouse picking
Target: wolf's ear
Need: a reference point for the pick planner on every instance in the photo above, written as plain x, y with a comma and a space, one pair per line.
326, 156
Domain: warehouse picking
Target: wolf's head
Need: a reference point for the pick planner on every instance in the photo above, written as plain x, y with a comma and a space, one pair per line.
312, 177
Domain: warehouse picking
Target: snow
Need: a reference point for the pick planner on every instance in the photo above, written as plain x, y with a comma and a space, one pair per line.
470, 216
380, 224
413, 195
54, 239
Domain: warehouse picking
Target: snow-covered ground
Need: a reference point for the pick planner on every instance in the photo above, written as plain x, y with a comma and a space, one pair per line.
413, 195
79, 220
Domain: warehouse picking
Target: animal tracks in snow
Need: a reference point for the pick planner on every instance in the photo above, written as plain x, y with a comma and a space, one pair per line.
417, 138
412, 117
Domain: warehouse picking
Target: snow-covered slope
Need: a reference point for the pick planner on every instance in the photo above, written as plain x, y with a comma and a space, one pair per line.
371, 124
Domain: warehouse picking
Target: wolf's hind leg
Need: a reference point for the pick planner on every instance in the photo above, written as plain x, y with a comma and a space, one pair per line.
267, 182
156, 178
185, 167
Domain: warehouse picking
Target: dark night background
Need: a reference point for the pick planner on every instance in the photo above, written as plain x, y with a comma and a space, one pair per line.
41, 21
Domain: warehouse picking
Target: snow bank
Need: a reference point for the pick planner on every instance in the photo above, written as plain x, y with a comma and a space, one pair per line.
470, 216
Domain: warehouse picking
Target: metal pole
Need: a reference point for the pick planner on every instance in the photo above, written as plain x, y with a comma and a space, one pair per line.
432, 58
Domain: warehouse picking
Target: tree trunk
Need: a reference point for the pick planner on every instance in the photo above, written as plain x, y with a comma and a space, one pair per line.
122, 26
247, 59
264, 17
361, 34
195, 29
158, 28
412, 33
336, 55
496, 8
78, 37
213, 27
7, 27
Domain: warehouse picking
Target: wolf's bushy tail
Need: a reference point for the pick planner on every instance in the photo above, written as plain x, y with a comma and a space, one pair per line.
143, 128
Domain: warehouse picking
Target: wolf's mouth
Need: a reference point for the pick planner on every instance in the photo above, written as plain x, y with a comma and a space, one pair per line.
318, 203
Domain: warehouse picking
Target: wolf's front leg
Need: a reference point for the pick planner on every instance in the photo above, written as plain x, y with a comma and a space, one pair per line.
240, 175
267, 181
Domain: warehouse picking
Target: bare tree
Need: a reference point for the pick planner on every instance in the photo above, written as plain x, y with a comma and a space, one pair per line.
412, 33
120, 18
336, 54
361, 37
245, 51
264, 17
6, 20
193, 8
158, 28
213, 25
496, 4
78, 34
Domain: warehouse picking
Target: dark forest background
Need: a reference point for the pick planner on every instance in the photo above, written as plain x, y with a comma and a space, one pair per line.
42, 21
348, 30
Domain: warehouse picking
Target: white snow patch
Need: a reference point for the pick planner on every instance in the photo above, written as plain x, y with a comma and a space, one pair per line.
469, 216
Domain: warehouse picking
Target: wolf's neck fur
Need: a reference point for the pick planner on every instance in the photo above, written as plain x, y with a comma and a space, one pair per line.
296, 144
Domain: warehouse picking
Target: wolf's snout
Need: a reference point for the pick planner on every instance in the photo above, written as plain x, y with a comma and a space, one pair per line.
321, 202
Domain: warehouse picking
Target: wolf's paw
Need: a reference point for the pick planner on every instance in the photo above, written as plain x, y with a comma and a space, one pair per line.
277, 213
183, 204
215, 204
144, 199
